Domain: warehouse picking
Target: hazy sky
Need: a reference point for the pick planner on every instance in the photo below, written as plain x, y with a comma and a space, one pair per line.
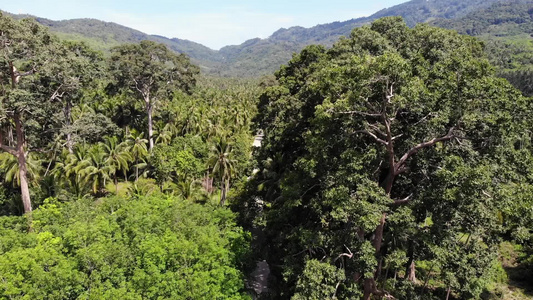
214, 23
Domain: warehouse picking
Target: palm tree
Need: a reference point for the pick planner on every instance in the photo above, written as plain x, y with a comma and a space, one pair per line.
189, 189
138, 149
222, 165
73, 168
164, 133
9, 167
97, 169
117, 157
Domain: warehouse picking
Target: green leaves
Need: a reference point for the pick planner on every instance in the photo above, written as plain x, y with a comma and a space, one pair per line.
153, 247
367, 141
319, 281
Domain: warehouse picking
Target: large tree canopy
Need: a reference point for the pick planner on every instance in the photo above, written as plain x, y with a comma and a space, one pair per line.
37, 72
152, 72
388, 149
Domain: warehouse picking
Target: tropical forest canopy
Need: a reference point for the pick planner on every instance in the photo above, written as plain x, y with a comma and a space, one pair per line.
396, 162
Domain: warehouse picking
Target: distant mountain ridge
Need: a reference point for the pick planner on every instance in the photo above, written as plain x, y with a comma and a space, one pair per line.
257, 57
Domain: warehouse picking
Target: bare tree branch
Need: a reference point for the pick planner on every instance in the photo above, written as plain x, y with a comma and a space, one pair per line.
56, 94
349, 254
450, 135
373, 136
354, 112
403, 201
377, 130
6, 148
431, 114
397, 137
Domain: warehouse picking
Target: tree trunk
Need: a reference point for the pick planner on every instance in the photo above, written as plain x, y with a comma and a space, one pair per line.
368, 289
411, 271
410, 267
116, 184
10, 138
149, 111
68, 109
23, 171
448, 294
136, 170
223, 194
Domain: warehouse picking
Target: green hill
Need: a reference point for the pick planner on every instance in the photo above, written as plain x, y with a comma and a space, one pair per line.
105, 35
505, 25
507, 29
258, 57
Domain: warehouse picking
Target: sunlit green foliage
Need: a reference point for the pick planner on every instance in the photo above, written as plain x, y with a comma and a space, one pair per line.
142, 248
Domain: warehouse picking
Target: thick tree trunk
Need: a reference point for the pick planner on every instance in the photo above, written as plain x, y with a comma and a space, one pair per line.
23, 171
24, 187
368, 289
411, 271
149, 111
19, 151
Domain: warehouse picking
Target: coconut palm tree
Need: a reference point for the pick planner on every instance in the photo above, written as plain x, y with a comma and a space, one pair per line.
72, 169
97, 169
138, 150
9, 168
117, 157
190, 189
222, 166
164, 133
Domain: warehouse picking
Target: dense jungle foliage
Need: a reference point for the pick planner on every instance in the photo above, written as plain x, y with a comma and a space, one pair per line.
395, 164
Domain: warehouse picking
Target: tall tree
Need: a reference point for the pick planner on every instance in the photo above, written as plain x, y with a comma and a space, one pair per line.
355, 135
222, 164
28, 66
152, 72
79, 68
137, 146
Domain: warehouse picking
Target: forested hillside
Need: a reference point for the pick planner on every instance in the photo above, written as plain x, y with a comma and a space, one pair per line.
105, 35
507, 30
266, 55
257, 57
392, 163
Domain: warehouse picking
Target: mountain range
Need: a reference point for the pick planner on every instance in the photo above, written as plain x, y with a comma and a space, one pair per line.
506, 26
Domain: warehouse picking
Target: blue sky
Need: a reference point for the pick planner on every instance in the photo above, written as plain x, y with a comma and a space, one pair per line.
214, 23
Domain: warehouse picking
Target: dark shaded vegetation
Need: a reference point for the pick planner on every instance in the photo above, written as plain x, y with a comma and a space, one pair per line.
393, 166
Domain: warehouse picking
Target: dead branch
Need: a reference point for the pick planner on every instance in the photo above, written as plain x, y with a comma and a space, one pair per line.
450, 135
373, 136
